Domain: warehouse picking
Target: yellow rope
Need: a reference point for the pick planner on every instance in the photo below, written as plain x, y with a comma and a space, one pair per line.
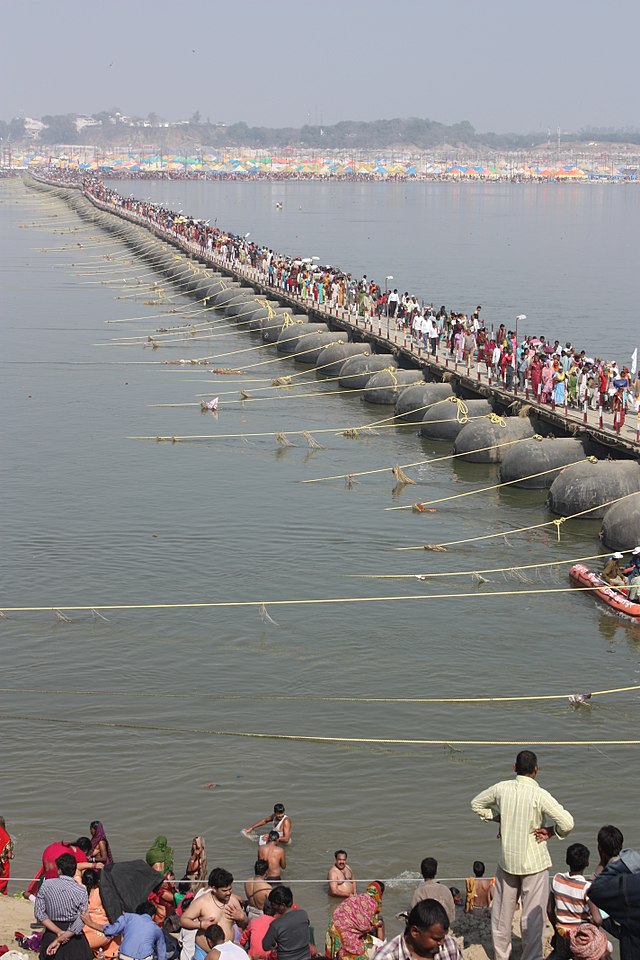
462, 410
321, 393
290, 376
495, 486
208, 604
292, 698
534, 526
376, 425
500, 421
417, 463
315, 738
468, 573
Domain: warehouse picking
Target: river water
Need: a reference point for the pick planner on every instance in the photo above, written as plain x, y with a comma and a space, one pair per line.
92, 517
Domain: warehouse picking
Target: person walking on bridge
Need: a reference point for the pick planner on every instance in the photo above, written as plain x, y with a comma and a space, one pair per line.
522, 808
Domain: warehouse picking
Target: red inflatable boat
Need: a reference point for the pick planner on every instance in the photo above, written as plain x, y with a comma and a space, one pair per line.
613, 597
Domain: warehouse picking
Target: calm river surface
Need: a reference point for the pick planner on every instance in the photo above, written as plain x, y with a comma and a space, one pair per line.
91, 517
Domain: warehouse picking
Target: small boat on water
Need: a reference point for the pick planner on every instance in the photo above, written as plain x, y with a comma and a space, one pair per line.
614, 598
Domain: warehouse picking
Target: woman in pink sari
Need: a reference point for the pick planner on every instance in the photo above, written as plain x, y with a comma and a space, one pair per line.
355, 923
547, 382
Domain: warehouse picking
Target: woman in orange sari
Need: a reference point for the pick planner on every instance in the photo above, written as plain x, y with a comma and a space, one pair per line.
95, 938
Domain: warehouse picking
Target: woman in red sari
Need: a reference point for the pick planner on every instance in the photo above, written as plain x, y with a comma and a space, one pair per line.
6, 856
49, 869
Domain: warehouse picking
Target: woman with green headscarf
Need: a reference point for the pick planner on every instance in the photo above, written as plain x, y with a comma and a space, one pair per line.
160, 855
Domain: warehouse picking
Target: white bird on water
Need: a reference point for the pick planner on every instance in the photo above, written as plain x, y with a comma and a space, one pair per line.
212, 404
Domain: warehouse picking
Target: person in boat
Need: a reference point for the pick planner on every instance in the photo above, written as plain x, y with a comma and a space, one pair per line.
633, 573
613, 572
280, 821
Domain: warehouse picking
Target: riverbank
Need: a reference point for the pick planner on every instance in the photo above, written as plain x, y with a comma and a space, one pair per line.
472, 930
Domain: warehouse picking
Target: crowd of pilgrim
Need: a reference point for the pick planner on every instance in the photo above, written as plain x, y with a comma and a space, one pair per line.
555, 374
92, 908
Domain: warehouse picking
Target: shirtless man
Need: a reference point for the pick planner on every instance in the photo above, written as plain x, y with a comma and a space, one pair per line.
479, 889
342, 882
279, 821
273, 855
257, 889
218, 906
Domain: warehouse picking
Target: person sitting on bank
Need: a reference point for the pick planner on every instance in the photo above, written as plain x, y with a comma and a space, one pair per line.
568, 906
219, 948
432, 890
425, 936
479, 889
610, 842
142, 938
289, 934
613, 572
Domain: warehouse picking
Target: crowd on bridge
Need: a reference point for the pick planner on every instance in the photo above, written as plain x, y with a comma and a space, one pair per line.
92, 908
561, 375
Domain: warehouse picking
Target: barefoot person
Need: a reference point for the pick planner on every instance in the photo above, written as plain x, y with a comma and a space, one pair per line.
219, 905
273, 855
342, 882
279, 821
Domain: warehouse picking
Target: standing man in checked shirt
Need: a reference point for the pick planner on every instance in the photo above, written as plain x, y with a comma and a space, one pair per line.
522, 808
59, 906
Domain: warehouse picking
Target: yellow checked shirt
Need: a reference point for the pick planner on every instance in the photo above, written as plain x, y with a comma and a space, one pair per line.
522, 806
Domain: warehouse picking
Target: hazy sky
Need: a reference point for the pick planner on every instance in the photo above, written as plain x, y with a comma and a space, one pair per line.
503, 65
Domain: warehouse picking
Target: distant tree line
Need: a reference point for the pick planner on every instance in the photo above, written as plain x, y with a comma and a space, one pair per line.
110, 128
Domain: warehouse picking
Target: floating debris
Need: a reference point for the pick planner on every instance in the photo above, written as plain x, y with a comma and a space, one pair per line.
311, 440
265, 617
400, 475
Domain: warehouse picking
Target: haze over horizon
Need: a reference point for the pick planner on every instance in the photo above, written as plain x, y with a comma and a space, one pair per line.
502, 67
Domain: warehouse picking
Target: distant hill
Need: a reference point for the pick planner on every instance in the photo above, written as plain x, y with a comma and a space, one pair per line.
112, 128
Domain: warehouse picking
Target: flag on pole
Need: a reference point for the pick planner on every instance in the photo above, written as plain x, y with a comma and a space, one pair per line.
634, 360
